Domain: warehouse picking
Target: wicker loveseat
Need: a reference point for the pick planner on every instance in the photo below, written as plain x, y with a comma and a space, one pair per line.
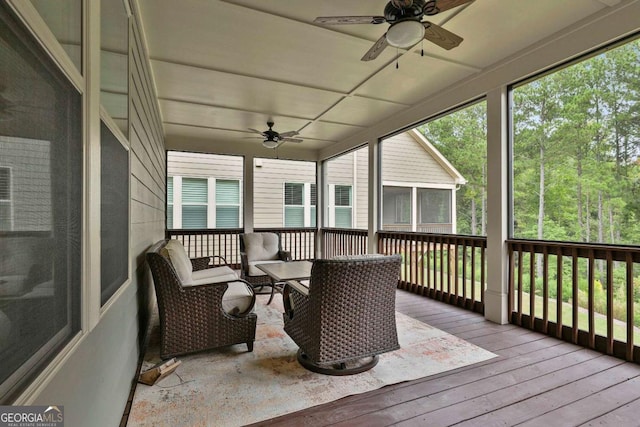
345, 317
200, 307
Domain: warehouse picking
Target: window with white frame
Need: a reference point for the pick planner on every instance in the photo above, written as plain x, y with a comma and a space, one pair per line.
194, 202
293, 204
343, 206
198, 203
227, 203
5, 199
299, 204
41, 208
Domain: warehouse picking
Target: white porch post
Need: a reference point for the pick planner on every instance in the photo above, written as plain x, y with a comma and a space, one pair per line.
321, 205
496, 294
247, 196
375, 183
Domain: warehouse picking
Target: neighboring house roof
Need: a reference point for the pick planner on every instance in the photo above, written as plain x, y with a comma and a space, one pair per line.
437, 156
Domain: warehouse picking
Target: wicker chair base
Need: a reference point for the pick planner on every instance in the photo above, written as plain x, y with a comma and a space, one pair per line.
338, 369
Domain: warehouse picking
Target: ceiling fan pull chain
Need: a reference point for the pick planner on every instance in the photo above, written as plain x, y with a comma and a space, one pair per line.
422, 48
397, 57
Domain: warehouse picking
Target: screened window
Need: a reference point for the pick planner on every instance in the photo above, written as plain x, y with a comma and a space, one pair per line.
194, 202
343, 212
434, 206
5, 199
41, 255
227, 203
293, 205
396, 207
576, 151
114, 213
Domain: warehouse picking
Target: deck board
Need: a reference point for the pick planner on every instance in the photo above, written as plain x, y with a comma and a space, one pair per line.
535, 380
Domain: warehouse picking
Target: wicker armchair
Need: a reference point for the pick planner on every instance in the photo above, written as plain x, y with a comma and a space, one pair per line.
211, 308
260, 248
345, 317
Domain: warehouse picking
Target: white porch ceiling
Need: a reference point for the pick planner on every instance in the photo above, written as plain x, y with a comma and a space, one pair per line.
222, 66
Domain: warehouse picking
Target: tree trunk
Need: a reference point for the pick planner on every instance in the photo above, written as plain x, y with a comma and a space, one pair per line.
473, 216
600, 238
588, 220
611, 226
540, 209
579, 197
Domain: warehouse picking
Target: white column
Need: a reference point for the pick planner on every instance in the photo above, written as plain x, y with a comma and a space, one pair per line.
496, 294
177, 202
375, 180
247, 194
211, 202
414, 209
321, 205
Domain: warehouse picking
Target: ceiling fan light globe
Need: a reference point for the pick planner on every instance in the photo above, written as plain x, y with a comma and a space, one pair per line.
268, 143
405, 34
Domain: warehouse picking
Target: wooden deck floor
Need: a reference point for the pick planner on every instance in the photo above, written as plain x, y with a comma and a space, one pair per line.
535, 381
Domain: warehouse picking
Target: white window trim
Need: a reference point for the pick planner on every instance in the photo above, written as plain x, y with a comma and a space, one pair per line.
414, 199
331, 215
306, 206
211, 200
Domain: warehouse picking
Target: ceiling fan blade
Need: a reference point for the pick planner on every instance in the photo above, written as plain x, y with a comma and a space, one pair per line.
434, 7
376, 49
296, 140
256, 131
338, 20
438, 35
288, 134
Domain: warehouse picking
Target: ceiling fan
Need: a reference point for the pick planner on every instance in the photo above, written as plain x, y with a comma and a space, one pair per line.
273, 139
406, 26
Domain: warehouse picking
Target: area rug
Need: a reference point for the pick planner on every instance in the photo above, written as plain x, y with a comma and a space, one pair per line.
231, 387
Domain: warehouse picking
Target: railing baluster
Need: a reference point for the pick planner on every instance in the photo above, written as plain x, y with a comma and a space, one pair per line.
591, 299
610, 302
532, 286
559, 296
630, 302
545, 289
520, 272
574, 295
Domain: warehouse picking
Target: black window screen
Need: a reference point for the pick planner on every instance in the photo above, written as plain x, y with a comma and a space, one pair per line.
114, 217
41, 252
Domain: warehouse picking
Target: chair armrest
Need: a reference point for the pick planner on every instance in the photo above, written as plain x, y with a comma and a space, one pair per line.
299, 287
200, 263
284, 256
224, 260
295, 298
244, 263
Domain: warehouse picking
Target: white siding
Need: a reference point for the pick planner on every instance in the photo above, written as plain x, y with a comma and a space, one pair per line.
204, 165
269, 182
404, 159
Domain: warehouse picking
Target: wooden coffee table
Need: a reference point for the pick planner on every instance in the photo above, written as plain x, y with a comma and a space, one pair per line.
281, 272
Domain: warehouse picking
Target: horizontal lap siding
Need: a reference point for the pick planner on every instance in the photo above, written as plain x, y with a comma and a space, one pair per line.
269, 182
404, 159
199, 165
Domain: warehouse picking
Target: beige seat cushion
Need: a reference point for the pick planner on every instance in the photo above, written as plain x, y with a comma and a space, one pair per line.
237, 299
212, 275
261, 246
174, 251
255, 271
